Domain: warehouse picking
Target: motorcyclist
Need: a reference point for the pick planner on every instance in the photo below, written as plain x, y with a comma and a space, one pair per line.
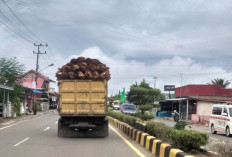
175, 116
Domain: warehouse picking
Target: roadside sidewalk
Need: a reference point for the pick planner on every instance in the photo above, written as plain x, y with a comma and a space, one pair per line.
12, 120
196, 127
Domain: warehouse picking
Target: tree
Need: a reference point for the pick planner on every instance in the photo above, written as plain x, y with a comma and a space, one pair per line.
10, 71
143, 94
221, 82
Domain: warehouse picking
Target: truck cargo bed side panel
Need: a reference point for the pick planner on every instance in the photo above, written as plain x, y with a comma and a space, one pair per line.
78, 97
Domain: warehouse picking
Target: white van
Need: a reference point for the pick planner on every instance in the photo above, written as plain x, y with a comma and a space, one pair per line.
221, 119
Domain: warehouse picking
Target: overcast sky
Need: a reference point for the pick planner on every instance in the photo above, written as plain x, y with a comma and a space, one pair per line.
136, 39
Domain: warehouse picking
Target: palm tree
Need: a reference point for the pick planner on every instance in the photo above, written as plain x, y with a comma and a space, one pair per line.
221, 82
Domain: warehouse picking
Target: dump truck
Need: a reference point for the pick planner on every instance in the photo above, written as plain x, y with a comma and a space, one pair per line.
83, 108
83, 98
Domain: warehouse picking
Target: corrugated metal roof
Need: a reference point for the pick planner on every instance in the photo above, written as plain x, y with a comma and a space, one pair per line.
223, 99
175, 99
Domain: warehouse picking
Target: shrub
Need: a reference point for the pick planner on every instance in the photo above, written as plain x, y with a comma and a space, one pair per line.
188, 139
130, 120
144, 108
123, 117
16, 105
144, 116
159, 130
180, 125
110, 108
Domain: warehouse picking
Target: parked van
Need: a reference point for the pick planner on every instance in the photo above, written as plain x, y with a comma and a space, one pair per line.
221, 119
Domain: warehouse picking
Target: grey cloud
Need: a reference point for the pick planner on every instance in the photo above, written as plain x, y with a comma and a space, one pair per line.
133, 30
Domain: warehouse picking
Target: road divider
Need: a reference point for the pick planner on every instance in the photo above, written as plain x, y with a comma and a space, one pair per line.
155, 146
24, 140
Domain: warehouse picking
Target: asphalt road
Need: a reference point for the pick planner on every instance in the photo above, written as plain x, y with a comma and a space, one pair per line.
38, 138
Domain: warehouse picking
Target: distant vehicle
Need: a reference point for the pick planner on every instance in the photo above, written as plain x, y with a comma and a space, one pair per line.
125, 103
128, 109
116, 106
221, 119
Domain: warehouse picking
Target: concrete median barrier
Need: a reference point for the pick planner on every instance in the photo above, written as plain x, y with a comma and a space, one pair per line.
155, 146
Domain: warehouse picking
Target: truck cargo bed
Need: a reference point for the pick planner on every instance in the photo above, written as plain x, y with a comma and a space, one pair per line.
82, 98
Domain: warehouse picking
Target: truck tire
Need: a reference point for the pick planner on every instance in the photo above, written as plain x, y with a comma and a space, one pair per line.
103, 130
64, 131
59, 131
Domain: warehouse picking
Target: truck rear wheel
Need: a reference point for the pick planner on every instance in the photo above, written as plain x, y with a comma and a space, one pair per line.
102, 130
64, 131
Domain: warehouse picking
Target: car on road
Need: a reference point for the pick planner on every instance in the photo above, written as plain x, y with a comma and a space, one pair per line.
221, 119
116, 106
128, 109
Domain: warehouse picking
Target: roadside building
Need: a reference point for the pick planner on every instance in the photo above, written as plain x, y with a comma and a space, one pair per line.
53, 98
194, 102
5, 105
36, 92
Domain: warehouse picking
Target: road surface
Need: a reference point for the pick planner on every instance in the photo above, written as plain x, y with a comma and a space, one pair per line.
38, 138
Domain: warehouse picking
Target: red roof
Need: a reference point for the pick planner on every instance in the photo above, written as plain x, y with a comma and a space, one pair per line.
202, 90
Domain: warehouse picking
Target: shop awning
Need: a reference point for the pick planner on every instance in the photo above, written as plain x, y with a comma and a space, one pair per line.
37, 91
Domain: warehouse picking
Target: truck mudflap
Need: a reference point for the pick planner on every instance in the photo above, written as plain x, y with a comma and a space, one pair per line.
83, 129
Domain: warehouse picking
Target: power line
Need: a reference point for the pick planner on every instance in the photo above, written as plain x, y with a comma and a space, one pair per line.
18, 33
6, 28
130, 35
21, 21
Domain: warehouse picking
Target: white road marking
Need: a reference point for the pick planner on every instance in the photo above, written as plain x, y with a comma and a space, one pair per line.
7, 126
56, 122
21, 122
16, 145
46, 128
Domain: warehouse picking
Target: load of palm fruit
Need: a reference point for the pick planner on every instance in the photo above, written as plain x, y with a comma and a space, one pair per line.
83, 69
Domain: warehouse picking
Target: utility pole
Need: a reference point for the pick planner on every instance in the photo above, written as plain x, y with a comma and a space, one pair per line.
37, 59
181, 77
155, 77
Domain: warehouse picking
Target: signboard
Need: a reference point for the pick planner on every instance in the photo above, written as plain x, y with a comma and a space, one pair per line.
6, 87
169, 87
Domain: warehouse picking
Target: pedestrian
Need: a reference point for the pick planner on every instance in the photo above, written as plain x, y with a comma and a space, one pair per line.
27, 109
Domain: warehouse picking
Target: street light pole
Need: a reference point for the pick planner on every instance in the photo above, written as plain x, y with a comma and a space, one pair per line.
47, 67
155, 77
